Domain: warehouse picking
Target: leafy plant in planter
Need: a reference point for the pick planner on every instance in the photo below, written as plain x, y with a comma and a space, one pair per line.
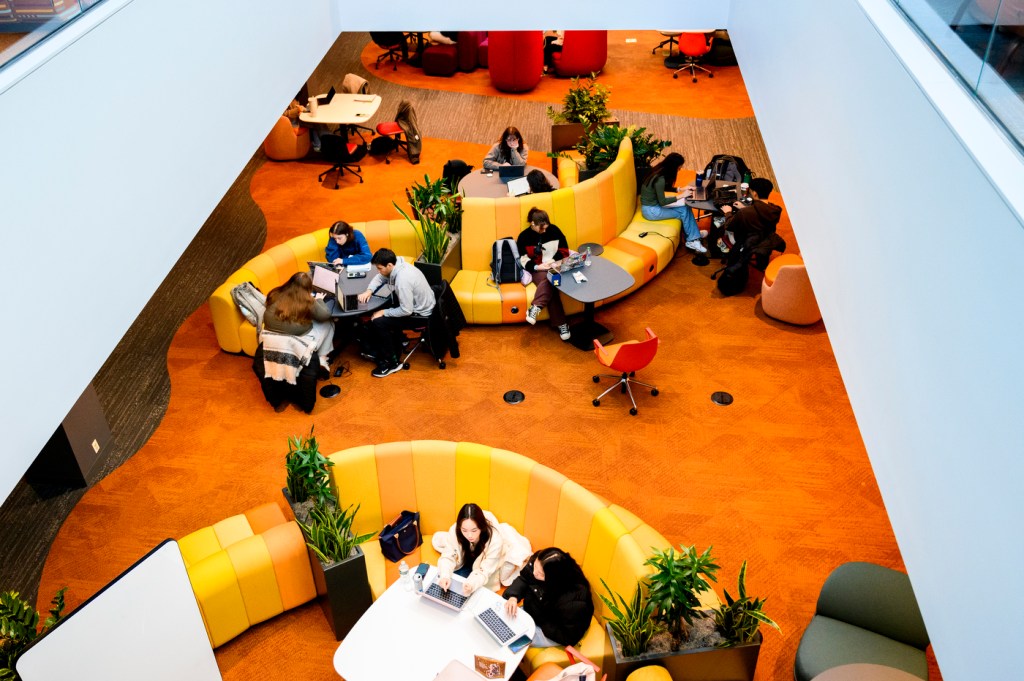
631, 620
739, 619
600, 146
439, 214
19, 626
675, 585
586, 102
329, 532
306, 470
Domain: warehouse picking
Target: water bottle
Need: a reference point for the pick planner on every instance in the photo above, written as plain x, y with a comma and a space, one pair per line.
312, 106
417, 582
403, 576
746, 178
588, 258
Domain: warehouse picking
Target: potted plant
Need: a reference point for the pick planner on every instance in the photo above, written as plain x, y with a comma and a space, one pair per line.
307, 479
691, 639
19, 627
339, 565
437, 220
600, 146
584, 107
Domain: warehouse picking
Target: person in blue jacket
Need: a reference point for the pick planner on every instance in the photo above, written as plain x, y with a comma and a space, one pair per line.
347, 246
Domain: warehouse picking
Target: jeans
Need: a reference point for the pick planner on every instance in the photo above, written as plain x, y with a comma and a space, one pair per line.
542, 641
684, 213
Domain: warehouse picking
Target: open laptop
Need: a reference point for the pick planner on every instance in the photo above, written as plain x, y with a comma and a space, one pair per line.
452, 598
519, 186
325, 277
706, 191
573, 262
511, 172
348, 302
500, 626
326, 99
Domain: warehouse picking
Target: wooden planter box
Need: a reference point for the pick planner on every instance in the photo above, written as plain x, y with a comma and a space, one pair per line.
737, 663
448, 268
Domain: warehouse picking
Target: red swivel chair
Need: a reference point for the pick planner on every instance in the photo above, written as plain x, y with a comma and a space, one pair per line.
693, 46
628, 358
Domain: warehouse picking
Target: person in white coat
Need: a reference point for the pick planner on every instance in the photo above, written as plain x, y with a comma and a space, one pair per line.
472, 549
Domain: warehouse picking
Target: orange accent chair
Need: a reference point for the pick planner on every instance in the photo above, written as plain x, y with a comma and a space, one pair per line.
693, 47
551, 670
786, 292
628, 358
285, 143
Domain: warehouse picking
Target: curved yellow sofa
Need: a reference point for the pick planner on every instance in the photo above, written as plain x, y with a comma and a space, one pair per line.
437, 477
246, 569
277, 264
602, 210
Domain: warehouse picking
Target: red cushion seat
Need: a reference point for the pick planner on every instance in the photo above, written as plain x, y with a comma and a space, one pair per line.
516, 59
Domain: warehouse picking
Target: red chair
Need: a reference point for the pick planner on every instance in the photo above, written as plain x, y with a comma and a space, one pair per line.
628, 358
583, 53
693, 46
515, 59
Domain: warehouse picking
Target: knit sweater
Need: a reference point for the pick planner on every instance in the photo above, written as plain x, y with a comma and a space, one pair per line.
535, 248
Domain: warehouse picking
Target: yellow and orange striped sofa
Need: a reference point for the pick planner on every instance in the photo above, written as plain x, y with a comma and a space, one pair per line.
437, 477
246, 569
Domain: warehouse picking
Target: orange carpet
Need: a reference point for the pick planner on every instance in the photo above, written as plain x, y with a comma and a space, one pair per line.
638, 80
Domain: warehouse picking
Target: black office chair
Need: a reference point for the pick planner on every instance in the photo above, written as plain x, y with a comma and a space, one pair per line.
671, 39
439, 330
393, 42
356, 85
344, 155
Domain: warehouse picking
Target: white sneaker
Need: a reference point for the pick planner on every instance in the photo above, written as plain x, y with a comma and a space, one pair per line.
531, 314
704, 234
696, 245
563, 332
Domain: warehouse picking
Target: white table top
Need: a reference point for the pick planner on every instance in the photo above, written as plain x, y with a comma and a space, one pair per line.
403, 636
344, 109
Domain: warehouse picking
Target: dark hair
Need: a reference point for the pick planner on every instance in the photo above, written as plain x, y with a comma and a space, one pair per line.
504, 151
538, 182
342, 227
561, 572
538, 215
762, 186
291, 301
667, 168
476, 514
384, 256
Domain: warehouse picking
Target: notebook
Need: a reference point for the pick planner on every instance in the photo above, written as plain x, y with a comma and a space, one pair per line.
511, 172
325, 278
452, 598
326, 99
518, 187
500, 626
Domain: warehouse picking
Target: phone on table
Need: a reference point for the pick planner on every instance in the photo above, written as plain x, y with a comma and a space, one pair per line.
519, 643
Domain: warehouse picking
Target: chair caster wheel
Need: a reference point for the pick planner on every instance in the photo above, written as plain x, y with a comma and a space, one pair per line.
597, 403
632, 374
675, 75
597, 379
654, 391
694, 80
632, 411
711, 75
405, 365
443, 365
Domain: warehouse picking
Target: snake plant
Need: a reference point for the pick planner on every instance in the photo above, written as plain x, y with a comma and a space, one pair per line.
739, 619
630, 621
329, 532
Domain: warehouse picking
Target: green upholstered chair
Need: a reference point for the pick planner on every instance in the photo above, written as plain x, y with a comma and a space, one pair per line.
866, 613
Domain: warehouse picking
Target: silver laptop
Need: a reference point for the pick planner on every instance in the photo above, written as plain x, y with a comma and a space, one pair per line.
348, 302
500, 626
452, 598
325, 279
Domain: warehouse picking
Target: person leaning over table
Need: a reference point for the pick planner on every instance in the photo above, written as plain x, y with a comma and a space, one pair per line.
472, 549
346, 245
556, 594
540, 246
415, 301
654, 203
754, 222
293, 310
538, 182
510, 150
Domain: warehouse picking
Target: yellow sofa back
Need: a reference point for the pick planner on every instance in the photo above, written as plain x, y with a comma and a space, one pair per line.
274, 266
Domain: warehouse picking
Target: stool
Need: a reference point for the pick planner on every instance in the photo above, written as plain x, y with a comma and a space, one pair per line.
393, 130
440, 60
651, 673
786, 292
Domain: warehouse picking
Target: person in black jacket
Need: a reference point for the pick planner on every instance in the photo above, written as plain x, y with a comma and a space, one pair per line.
541, 245
556, 594
751, 223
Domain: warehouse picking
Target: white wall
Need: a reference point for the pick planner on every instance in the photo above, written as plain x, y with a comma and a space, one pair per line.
914, 255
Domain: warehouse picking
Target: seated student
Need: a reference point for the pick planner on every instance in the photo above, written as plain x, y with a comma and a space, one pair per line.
510, 150
538, 182
552, 43
755, 222
293, 310
296, 108
472, 549
653, 202
415, 301
347, 246
541, 245
556, 594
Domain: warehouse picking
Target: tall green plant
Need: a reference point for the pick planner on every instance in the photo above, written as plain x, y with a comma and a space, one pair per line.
19, 626
630, 621
585, 103
330, 532
739, 619
600, 146
438, 213
675, 585
306, 470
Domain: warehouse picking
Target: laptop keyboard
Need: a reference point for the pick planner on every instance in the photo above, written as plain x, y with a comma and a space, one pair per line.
494, 622
449, 597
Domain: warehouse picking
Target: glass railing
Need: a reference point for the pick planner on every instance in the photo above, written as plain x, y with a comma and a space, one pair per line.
981, 41
23, 23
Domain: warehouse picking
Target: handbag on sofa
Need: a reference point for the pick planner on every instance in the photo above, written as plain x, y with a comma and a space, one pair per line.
401, 536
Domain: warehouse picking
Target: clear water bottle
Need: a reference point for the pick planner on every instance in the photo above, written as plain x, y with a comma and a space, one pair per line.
588, 258
403, 576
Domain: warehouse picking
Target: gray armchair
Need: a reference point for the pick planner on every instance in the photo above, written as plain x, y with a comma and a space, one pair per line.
866, 613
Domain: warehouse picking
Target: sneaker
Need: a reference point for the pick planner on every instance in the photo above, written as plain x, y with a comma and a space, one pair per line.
563, 332
704, 234
718, 221
723, 246
531, 314
386, 370
696, 245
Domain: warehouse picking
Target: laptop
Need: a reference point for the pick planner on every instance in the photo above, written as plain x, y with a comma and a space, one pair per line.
326, 99
325, 278
452, 598
573, 262
704, 192
500, 626
518, 187
511, 172
348, 302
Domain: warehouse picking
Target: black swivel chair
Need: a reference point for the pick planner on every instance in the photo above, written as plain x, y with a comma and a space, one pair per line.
438, 331
393, 42
344, 155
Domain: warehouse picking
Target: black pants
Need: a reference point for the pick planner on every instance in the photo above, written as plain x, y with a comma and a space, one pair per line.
383, 335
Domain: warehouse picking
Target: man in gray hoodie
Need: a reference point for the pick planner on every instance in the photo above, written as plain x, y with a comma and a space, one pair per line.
415, 303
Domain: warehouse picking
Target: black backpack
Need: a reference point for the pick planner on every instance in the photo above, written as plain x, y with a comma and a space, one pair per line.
732, 279
505, 265
727, 168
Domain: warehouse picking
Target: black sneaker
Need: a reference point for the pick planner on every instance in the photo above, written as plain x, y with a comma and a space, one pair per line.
386, 370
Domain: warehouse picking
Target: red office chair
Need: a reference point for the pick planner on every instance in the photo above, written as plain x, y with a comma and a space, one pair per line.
693, 46
627, 358
393, 130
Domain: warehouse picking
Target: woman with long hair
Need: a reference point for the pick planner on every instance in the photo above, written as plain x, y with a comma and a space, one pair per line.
294, 311
510, 150
473, 549
347, 245
654, 203
556, 594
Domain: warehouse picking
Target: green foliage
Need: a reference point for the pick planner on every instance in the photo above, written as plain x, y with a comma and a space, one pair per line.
585, 103
439, 213
600, 146
330, 532
739, 619
675, 585
631, 621
19, 626
306, 470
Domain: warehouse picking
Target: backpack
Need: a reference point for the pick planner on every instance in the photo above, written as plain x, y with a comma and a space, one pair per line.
727, 168
732, 278
379, 146
505, 265
251, 302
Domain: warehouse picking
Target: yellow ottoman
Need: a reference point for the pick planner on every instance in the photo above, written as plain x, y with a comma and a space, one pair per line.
652, 673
